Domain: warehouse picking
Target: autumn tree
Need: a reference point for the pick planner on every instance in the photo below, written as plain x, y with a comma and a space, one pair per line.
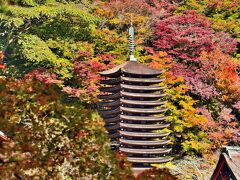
43, 36
50, 136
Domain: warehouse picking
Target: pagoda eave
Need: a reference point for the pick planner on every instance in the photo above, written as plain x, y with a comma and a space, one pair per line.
150, 160
142, 95
144, 126
142, 88
143, 118
144, 142
145, 151
131, 67
142, 103
143, 134
143, 110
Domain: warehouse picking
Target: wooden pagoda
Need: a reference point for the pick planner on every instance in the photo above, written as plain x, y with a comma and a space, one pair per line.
131, 105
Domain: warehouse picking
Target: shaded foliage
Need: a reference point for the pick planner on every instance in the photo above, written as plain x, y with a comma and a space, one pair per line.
154, 174
49, 138
62, 45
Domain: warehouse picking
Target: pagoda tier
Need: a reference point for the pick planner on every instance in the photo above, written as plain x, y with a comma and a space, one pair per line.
132, 107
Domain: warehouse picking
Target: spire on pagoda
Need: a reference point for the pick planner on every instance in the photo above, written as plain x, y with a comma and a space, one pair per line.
131, 43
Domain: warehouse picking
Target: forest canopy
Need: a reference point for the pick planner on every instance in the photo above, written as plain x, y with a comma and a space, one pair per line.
51, 53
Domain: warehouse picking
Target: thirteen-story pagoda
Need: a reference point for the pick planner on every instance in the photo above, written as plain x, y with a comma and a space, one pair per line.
132, 108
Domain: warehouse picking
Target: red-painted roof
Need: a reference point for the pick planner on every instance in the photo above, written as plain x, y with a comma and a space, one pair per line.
229, 160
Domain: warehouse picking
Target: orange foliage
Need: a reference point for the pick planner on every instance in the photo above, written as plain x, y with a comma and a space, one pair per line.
187, 122
223, 69
223, 4
1, 55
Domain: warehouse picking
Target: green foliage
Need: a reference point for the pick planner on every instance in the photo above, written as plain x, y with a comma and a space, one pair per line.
44, 36
110, 41
52, 11
70, 41
36, 53
25, 2
65, 49
30, 3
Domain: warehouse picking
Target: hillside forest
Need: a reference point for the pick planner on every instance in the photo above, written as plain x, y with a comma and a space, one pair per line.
51, 53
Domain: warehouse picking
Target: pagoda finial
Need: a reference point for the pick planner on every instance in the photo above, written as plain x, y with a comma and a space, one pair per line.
131, 42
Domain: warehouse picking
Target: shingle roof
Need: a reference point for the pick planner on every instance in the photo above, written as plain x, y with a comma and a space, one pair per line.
131, 67
231, 156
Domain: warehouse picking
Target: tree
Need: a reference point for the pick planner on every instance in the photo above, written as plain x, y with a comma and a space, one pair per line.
186, 35
223, 15
187, 131
43, 36
48, 137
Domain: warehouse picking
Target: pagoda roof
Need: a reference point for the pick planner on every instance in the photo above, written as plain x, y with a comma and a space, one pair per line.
114, 81
149, 160
145, 151
112, 120
131, 67
109, 103
144, 142
144, 134
143, 118
145, 103
113, 127
230, 157
142, 80
144, 110
142, 88
114, 135
144, 126
132, 110
143, 95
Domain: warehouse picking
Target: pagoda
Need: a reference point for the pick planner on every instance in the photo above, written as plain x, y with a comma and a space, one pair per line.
132, 107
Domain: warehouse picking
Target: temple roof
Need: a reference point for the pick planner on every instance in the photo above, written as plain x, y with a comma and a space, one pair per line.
145, 103
144, 110
149, 160
142, 88
231, 156
131, 67
143, 118
112, 120
144, 126
145, 151
144, 134
142, 80
142, 95
144, 142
